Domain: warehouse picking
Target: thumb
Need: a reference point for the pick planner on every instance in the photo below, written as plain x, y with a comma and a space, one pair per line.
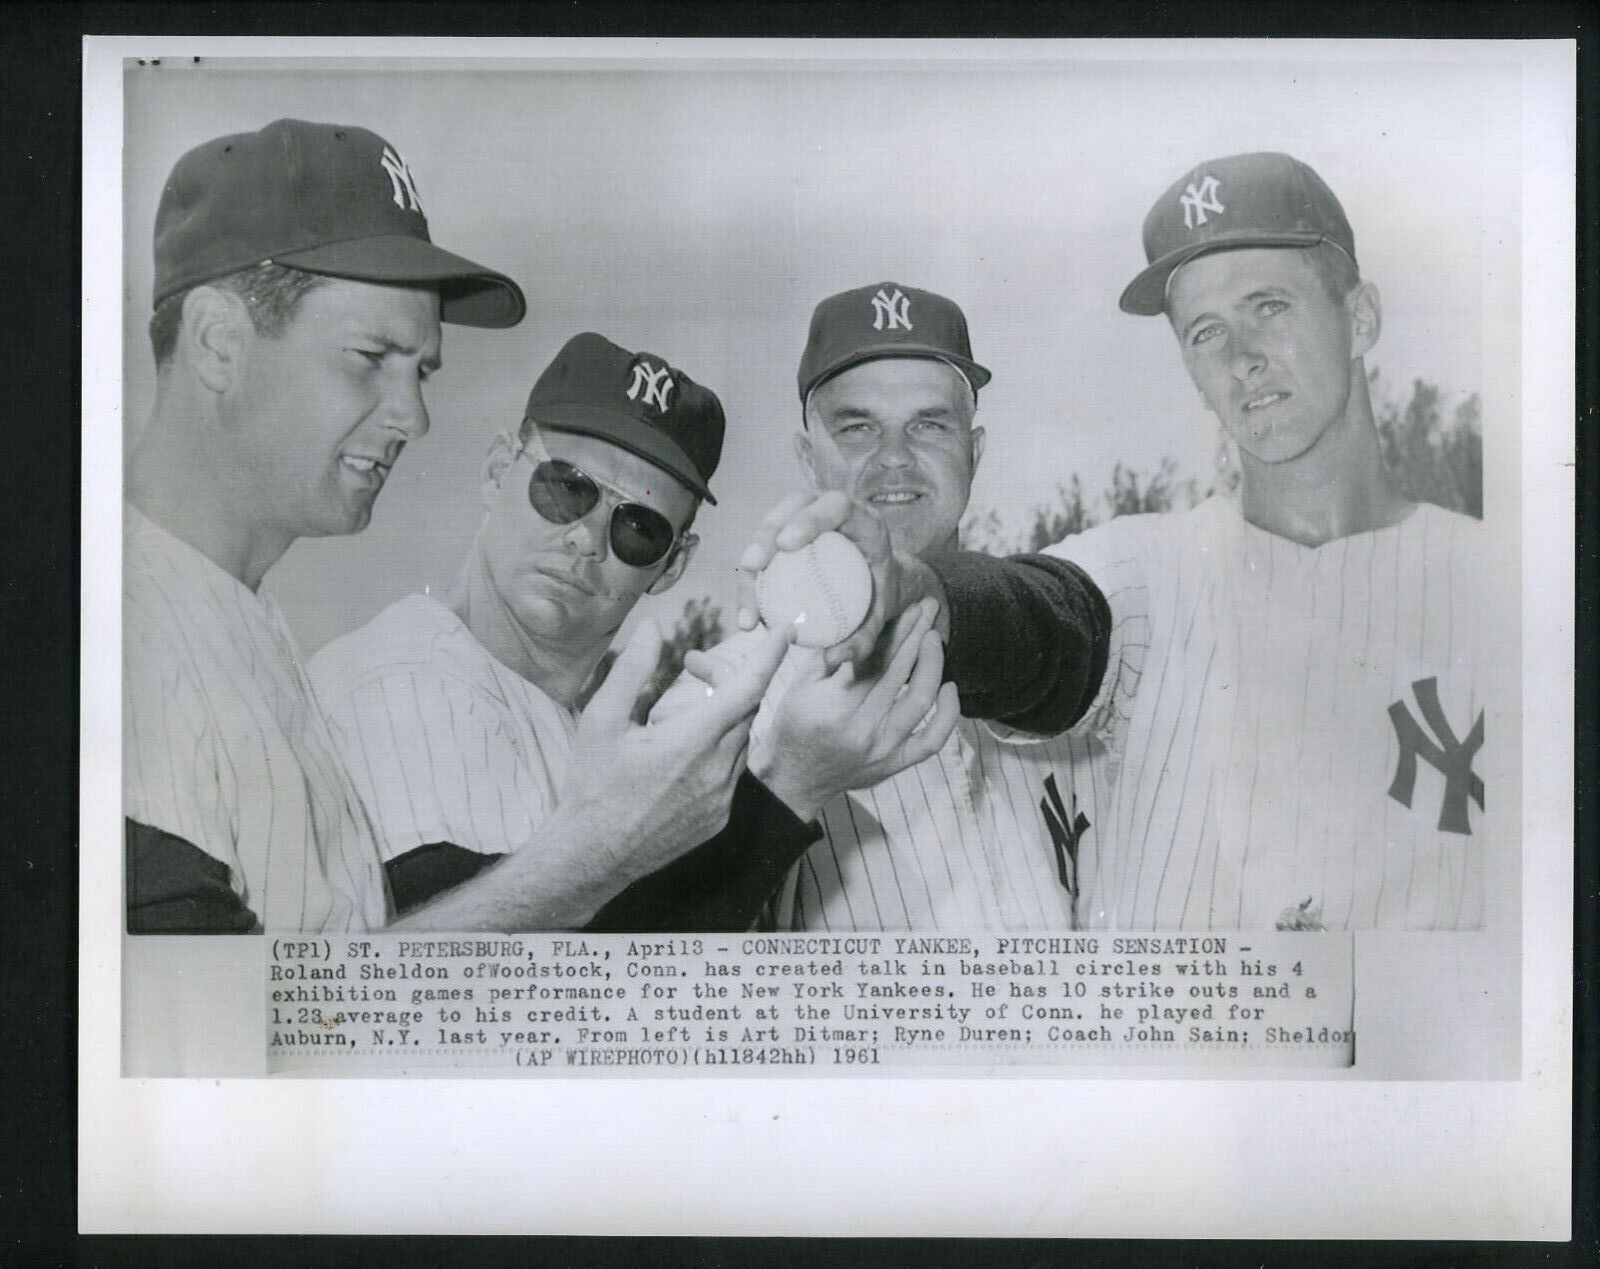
740, 688
611, 707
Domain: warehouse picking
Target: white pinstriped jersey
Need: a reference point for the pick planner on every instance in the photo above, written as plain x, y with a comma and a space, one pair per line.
976, 837
1291, 733
225, 747
444, 743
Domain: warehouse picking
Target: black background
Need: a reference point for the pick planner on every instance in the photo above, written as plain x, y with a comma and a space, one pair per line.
40, 190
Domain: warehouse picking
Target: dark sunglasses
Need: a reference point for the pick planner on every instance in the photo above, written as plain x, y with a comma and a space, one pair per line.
563, 494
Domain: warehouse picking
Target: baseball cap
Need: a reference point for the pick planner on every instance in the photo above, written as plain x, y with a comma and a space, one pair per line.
636, 401
1245, 200
887, 320
326, 198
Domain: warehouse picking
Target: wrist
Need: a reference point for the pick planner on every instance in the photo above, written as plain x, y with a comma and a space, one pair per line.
802, 802
918, 581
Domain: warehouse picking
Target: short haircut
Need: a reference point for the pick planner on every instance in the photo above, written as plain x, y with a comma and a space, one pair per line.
271, 292
970, 396
1336, 268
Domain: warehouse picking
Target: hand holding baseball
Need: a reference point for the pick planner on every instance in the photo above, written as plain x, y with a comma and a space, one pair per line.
846, 731
800, 520
653, 792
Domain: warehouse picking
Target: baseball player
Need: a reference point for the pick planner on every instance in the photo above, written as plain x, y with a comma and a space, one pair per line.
968, 838
298, 300
457, 715
1291, 706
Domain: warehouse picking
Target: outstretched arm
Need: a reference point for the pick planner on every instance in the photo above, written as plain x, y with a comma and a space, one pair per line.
1027, 637
1030, 636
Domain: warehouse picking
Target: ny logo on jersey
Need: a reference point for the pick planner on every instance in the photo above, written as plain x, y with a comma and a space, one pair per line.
1450, 757
403, 186
655, 382
1197, 202
1065, 834
891, 312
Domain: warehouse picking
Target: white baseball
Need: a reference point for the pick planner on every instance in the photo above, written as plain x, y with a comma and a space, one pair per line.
824, 590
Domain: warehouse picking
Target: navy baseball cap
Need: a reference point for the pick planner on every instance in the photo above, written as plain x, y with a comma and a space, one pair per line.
636, 401
887, 320
321, 197
1245, 200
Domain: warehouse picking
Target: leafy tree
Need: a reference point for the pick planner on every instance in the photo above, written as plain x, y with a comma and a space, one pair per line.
1070, 511
1431, 459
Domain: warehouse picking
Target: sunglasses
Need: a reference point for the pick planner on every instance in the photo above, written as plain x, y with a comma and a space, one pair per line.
564, 493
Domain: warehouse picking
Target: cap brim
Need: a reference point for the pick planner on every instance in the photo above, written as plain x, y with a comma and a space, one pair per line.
626, 432
977, 374
1146, 295
469, 294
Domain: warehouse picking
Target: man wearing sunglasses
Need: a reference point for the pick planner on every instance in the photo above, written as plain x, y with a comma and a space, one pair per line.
458, 714
298, 301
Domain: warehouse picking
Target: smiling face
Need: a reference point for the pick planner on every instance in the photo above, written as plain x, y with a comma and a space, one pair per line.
897, 434
1273, 353
563, 582
319, 414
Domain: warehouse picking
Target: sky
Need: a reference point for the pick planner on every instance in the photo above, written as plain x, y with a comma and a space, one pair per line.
699, 209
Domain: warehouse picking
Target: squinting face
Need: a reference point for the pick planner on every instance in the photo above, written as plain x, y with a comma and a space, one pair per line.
323, 410
563, 581
897, 434
1272, 352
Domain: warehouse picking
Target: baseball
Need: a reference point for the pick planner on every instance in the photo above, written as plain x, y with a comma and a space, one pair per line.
824, 590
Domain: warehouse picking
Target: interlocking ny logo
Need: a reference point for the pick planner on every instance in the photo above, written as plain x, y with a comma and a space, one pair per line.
405, 189
1450, 757
891, 312
1197, 202
1065, 834
654, 381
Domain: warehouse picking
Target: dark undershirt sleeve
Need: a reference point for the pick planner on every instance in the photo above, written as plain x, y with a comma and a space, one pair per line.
1030, 636
174, 887
721, 885
420, 874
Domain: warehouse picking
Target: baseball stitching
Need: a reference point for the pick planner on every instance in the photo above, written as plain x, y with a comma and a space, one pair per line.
835, 608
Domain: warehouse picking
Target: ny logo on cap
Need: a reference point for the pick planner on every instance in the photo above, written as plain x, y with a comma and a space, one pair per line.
405, 189
654, 381
1197, 202
891, 312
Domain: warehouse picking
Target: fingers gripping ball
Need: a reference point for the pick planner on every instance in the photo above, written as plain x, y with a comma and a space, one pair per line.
824, 590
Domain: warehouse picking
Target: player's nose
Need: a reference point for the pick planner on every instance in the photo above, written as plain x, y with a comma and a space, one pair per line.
586, 535
893, 451
1245, 359
405, 411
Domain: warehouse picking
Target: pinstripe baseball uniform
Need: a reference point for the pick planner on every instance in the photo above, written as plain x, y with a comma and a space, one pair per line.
1296, 728
444, 743
225, 747
977, 837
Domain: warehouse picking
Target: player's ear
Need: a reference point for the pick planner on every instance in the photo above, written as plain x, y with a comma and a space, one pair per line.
979, 437
502, 453
215, 327
805, 452
675, 566
1365, 307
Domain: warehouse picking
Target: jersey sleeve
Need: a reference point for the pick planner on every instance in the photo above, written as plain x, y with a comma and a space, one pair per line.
1028, 638
177, 775
1116, 558
437, 759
